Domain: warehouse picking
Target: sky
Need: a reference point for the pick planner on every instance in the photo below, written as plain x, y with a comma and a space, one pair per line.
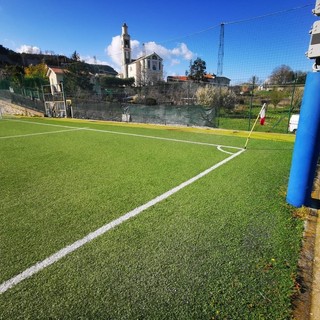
258, 35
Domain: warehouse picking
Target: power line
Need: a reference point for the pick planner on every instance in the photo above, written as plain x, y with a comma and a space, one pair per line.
227, 23
238, 21
191, 34
269, 14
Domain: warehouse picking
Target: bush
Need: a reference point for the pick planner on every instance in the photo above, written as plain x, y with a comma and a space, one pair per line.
4, 84
214, 97
150, 101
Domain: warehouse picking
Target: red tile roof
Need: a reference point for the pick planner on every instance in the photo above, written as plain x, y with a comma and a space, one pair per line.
57, 70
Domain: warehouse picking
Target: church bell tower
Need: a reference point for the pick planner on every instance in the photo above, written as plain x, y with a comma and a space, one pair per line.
126, 50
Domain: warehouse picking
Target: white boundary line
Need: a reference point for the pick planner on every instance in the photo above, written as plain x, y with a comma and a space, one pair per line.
165, 139
39, 133
219, 146
40, 123
93, 235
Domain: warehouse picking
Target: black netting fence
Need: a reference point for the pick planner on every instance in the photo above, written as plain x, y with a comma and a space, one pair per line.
157, 114
34, 104
98, 110
193, 115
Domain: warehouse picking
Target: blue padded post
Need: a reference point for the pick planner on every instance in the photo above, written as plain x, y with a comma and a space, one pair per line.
307, 145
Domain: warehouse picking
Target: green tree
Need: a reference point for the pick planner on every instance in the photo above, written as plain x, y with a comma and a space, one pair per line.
297, 99
301, 77
276, 96
15, 74
77, 77
38, 70
198, 70
75, 56
35, 75
111, 82
282, 75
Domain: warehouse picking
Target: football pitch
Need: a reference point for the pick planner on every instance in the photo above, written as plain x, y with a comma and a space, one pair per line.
113, 221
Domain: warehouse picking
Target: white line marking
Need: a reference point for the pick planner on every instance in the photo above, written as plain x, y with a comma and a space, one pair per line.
41, 123
220, 149
134, 135
91, 236
161, 138
39, 133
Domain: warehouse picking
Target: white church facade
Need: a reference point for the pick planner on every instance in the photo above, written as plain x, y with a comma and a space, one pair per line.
146, 70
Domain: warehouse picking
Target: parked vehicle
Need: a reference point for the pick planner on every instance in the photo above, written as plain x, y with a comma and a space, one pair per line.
293, 123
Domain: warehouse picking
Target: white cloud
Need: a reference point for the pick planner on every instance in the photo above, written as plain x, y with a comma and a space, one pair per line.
175, 62
28, 49
114, 51
170, 56
93, 60
183, 51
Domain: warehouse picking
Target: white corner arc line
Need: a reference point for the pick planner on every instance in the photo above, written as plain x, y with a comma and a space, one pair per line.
39, 133
91, 236
220, 149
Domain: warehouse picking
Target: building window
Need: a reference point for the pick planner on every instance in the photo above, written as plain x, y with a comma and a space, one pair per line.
148, 64
154, 66
159, 65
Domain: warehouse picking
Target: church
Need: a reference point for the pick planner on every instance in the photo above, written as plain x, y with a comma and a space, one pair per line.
146, 70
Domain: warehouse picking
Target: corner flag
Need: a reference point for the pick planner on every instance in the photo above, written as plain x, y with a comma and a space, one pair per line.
262, 114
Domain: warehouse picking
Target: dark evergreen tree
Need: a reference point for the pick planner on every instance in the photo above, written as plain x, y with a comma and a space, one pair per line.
198, 70
77, 79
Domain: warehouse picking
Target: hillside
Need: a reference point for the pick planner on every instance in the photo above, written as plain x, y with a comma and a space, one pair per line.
9, 57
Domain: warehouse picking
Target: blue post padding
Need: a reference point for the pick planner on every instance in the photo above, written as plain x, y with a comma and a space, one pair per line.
307, 145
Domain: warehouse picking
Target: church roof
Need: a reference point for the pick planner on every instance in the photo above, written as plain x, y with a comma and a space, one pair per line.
147, 56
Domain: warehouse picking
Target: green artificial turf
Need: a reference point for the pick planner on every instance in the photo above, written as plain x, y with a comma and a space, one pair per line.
225, 247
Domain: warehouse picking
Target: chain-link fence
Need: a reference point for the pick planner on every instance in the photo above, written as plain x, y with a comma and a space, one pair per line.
22, 100
32, 103
282, 102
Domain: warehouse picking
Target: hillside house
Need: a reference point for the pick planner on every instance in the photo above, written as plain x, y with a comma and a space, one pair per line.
55, 75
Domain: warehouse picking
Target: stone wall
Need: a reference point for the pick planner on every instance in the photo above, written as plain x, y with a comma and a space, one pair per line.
8, 108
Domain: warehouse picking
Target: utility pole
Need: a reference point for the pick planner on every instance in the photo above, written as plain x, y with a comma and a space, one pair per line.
221, 51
